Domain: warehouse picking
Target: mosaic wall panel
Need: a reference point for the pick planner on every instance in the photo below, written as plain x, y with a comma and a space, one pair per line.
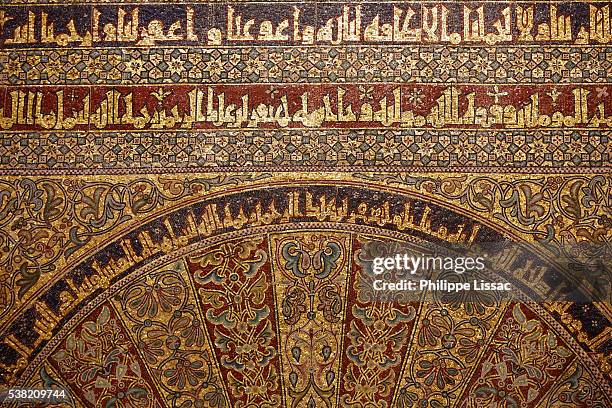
188, 192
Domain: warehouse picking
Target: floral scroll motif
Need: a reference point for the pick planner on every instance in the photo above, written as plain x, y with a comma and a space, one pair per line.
553, 210
451, 336
310, 272
168, 330
378, 333
47, 379
234, 288
570, 216
322, 262
577, 389
43, 220
99, 361
522, 363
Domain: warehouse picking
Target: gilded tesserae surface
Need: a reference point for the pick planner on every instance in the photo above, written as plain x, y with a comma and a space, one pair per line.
190, 192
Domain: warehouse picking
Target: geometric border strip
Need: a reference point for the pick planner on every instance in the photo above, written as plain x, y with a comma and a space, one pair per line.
516, 149
282, 64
